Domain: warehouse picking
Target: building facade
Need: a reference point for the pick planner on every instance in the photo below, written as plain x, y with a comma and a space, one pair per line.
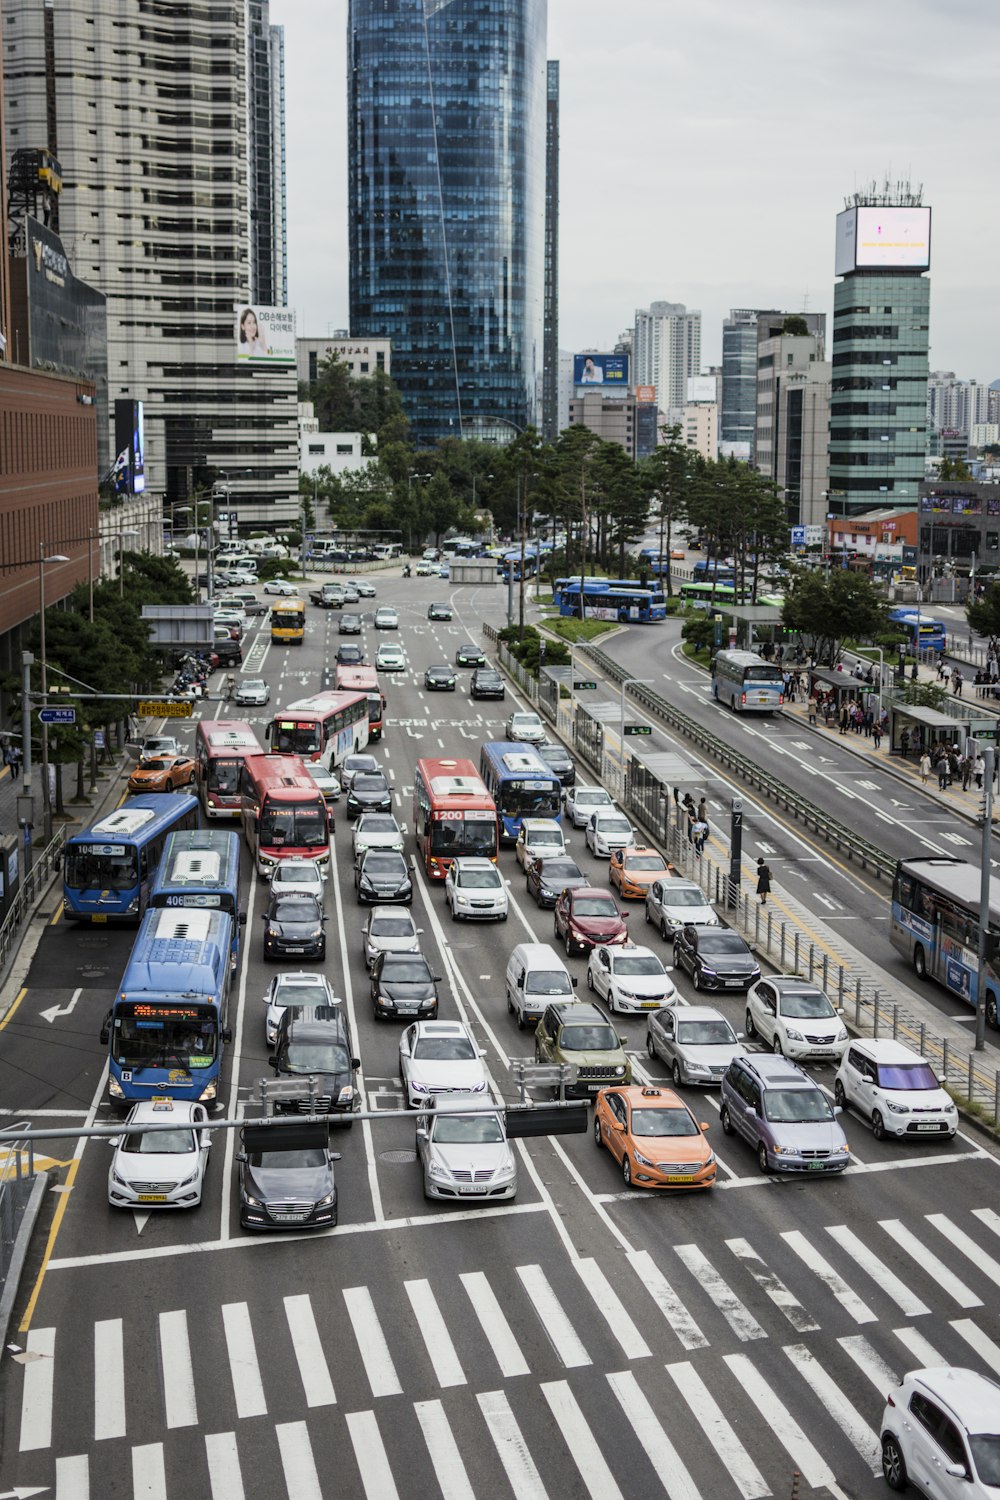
956, 405
446, 191
959, 527
793, 410
612, 419
700, 428
266, 157
738, 416
338, 451
361, 356
666, 351
550, 342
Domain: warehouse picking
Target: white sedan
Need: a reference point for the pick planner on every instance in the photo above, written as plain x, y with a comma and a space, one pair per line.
474, 888
365, 589
629, 978
793, 1016
390, 658
581, 802
389, 929
386, 618
439, 1060
465, 1156
160, 1169
526, 728
375, 831
280, 586
296, 987
299, 875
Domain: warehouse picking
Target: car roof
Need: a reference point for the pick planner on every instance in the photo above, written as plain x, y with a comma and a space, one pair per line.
706, 929
442, 1028
472, 861
631, 950
546, 824
579, 1010
789, 983
308, 1025
591, 890
303, 978
639, 849
884, 1050
180, 1111
683, 885
697, 1013
777, 1072
648, 1096
972, 1397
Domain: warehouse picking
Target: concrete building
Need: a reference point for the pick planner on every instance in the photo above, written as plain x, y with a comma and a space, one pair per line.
361, 356
550, 332
793, 410
956, 405
700, 428
959, 522
613, 418
266, 157
338, 451
155, 210
566, 390
666, 351
738, 415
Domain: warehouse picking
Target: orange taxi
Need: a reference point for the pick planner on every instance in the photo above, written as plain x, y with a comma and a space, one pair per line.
163, 773
634, 870
655, 1137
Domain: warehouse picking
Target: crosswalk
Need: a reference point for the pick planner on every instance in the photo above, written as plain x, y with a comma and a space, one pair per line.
703, 1344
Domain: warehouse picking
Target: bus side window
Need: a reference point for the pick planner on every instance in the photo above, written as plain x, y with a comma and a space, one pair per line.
905, 892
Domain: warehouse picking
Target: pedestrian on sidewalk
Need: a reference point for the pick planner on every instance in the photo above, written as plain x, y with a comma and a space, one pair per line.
763, 880
703, 810
700, 834
845, 718
966, 772
925, 767
946, 674
979, 770
904, 743
954, 765
942, 771
877, 732
811, 707
12, 759
957, 684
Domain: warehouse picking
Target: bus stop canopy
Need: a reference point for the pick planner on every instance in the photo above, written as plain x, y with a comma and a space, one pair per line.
752, 621
928, 726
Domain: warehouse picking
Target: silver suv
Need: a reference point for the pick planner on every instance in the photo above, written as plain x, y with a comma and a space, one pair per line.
783, 1115
941, 1432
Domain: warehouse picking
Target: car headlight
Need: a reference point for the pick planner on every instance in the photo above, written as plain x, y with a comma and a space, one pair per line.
643, 1161
463, 900
208, 1092
842, 1034
251, 1201
115, 1089
317, 934
418, 1088
193, 1177
949, 1109
477, 1088
346, 1093
840, 1150
792, 1034
439, 1173
897, 1109
620, 1070
710, 1162
328, 1201
121, 1181
706, 970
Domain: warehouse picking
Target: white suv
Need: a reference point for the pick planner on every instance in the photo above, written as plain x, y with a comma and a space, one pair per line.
475, 889
793, 1016
608, 831
941, 1432
895, 1088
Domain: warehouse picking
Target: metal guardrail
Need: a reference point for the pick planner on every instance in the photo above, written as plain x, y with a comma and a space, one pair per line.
17, 1171
31, 888
844, 839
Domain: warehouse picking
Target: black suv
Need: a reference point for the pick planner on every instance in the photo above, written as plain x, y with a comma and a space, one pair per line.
716, 958
316, 1039
403, 984
487, 683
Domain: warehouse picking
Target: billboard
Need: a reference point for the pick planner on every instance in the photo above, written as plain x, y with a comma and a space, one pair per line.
128, 475
645, 395
600, 369
264, 335
877, 238
701, 388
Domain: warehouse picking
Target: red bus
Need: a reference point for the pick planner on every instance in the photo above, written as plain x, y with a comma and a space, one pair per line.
453, 814
326, 727
364, 680
284, 813
221, 746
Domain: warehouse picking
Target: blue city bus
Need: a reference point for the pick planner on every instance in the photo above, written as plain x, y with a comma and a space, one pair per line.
935, 925
108, 867
520, 783
704, 571
168, 1024
611, 601
200, 869
931, 631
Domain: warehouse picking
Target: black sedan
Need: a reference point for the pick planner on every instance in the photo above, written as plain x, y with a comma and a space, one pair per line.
439, 612
287, 1188
486, 683
558, 760
382, 876
349, 625
469, 656
439, 680
715, 957
293, 926
315, 1042
548, 878
350, 656
403, 985
370, 792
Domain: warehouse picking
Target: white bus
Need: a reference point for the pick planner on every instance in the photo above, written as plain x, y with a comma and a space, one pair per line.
747, 683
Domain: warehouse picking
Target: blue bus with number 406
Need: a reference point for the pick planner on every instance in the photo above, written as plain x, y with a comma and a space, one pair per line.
200, 870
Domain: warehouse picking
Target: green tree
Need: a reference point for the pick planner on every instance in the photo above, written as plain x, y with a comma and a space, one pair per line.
983, 614
795, 325
667, 473
956, 469
369, 404
828, 609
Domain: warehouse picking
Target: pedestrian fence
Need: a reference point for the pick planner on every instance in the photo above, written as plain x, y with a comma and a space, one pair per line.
32, 885
17, 1172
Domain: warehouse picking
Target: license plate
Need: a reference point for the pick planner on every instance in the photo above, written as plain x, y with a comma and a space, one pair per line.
927, 1126
98, 916
406, 1010
295, 950
592, 1088
734, 984
823, 1052
650, 1005
677, 1179
152, 1197
471, 1188
289, 1218
816, 1166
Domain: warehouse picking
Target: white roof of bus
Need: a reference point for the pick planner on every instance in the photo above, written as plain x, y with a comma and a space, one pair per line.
235, 739
197, 866
124, 820
189, 923
523, 760
458, 786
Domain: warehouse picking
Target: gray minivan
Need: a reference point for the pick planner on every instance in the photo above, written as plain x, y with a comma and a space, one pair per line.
536, 975
783, 1115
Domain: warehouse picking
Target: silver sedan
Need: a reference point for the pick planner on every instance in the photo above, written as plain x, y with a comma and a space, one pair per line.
696, 1042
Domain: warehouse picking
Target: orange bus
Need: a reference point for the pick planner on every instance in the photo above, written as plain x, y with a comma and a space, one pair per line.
453, 814
284, 812
364, 680
221, 746
326, 727
288, 622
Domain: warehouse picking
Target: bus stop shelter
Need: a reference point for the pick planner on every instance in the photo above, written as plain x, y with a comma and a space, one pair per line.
752, 622
927, 727
655, 784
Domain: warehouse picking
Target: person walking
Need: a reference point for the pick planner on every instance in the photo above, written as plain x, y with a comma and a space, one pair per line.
954, 765
703, 809
925, 767
811, 709
877, 732
12, 759
845, 718
966, 763
957, 684
979, 770
942, 771
699, 835
763, 880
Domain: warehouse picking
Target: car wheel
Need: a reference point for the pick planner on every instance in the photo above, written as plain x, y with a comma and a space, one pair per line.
555, 929
776, 1045
647, 916
590, 980
520, 1020
725, 1121
627, 1170
878, 1125
510, 1005
751, 1024
839, 1097
665, 935
893, 1463
597, 1133
695, 980
762, 1161
650, 1046
569, 946
676, 1074
168, 786
677, 957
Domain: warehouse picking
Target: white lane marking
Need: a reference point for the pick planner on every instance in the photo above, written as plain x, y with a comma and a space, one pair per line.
735, 1459
987, 1350
821, 1267
445, 1455
667, 1300
180, 1405
930, 1264
298, 1464
562, 1335
223, 1457
313, 1369
371, 1342
775, 1412
36, 1392
610, 1306
660, 1451
524, 1479
434, 1332
506, 1349
109, 1379
887, 1281
854, 1427
871, 1364
966, 1246
244, 1368
772, 1284
149, 1476
575, 1428
72, 1478
236, 1053
739, 1317
988, 1217
921, 1348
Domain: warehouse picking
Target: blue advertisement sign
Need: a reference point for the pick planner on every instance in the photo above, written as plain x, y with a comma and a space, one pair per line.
600, 369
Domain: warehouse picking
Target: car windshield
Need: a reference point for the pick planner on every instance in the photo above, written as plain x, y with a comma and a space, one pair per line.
646, 964
281, 1160
721, 942
646, 862
915, 1076
986, 1456
548, 982
295, 909
613, 825
666, 1121
156, 765
439, 671
538, 837
488, 679
559, 869
594, 906
360, 763
480, 880
526, 721
385, 862
108, 872
315, 1057
466, 1130
593, 799
705, 1033
377, 823
589, 1038
681, 897
254, 685
796, 1106
298, 994
443, 1049
291, 872
406, 971
159, 1142
806, 1005
297, 827
391, 927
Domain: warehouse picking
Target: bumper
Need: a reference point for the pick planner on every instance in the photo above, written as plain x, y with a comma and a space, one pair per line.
628, 1007
649, 1177
471, 1193
583, 944
380, 898
122, 1197
480, 914
808, 1052
824, 1166
391, 1008
900, 1125
294, 950
733, 983
261, 1218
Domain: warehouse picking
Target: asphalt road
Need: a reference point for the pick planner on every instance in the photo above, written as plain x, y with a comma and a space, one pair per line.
584, 1341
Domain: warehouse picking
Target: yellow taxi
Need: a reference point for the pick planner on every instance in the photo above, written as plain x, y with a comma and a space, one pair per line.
654, 1136
634, 870
164, 773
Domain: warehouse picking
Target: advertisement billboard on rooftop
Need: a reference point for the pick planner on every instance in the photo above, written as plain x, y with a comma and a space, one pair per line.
600, 369
264, 335
876, 238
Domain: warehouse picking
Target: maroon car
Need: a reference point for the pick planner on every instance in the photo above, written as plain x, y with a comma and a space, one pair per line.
587, 917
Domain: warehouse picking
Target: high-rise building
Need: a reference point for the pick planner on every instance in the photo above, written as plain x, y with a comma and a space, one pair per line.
956, 405
881, 313
666, 351
550, 343
447, 146
738, 417
793, 419
266, 157
149, 122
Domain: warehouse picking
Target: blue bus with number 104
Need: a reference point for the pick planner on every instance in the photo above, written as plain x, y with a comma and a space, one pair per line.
108, 867
520, 783
200, 870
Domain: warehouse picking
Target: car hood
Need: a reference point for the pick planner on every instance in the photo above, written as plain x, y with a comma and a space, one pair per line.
366, 795
640, 877
818, 1135
387, 884
460, 1076
718, 1056
674, 1148
293, 929
154, 1167
607, 1060
378, 841
697, 916
393, 945
562, 882
599, 926
644, 984
280, 1184
729, 963
458, 1158
408, 989
917, 1099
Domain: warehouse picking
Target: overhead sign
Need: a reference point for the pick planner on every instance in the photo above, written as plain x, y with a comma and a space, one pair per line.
638, 729
164, 708
583, 685
798, 536
57, 715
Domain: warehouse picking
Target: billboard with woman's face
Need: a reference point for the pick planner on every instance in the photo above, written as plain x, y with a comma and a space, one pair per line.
264, 335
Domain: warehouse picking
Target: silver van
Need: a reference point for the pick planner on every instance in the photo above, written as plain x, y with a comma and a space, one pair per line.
536, 975
783, 1115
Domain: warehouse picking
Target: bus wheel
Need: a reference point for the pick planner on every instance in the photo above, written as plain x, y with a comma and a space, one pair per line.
920, 962
992, 1019
735, 705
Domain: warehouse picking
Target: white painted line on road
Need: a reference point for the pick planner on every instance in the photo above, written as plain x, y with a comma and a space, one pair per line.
446, 1458
610, 1306
308, 1346
735, 1459
988, 1351
243, 1366
930, 1264
524, 1479
921, 1348
739, 1317
850, 1422
223, 1456
149, 1477
72, 1478
871, 1364
988, 1217
109, 1380
821, 1267
667, 1300
371, 1342
228, 1174
594, 1469
506, 1349
179, 1403
773, 1286
36, 1392
561, 1333
966, 1246
434, 1332
297, 1462
775, 1412
874, 1266
666, 1461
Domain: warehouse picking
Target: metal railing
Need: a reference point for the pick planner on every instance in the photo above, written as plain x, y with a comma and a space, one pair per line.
17, 1171
32, 887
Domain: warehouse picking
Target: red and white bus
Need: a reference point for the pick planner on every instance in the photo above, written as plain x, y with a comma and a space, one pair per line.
284, 812
327, 727
453, 814
364, 680
221, 746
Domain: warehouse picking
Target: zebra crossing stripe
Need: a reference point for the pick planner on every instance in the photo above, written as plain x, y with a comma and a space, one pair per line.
434, 1331
773, 1286
933, 1267
297, 1462
593, 1466
149, 1477
247, 1385
313, 1369
449, 1470
371, 1457
734, 1457
922, 1349
610, 1306
557, 1325
72, 1478
739, 1317
851, 1423
987, 1350
223, 1458
506, 1349
966, 1246
775, 1412
822, 1269
666, 1299
872, 1264
519, 1466
36, 1393
109, 1379
179, 1401
371, 1342
660, 1451
882, 1376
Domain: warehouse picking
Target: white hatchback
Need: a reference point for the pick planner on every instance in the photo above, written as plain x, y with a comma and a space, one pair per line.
895, 1088
439, 1060
941, 1433
608, 831
539, 838
161, 1169
581, 802
629, 978
475, 890
389, 929
390, 658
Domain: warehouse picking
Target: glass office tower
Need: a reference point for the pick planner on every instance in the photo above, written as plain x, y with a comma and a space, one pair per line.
446, 176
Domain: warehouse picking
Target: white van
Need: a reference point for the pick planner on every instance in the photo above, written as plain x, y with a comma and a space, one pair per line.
535, 976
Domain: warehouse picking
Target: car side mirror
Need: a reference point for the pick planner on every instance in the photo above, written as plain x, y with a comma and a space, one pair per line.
421, 1132
482, 1052
837, 1109
575, 981
839, 1009
355, 1063
625, 915
104, 1036
335, 1156
957, 1471
740, 1036
114, 1140
241, 1156
623, 1040
437, 978
242, 919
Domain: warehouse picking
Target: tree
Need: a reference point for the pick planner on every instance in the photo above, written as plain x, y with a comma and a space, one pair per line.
795, 325
369, 404
983, 614
667, 471
956, 469
828, 609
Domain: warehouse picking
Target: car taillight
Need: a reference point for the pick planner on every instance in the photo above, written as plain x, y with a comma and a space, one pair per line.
743, 697
889, 1400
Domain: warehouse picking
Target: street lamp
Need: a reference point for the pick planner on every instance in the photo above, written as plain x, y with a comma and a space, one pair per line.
43, 563
123, 532
411, 476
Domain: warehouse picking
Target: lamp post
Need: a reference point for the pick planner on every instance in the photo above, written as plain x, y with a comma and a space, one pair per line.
863, 651
43, 563
411, 476
90, 574
123, 532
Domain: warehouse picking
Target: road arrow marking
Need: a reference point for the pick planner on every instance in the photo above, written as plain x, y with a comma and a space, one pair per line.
53, 1012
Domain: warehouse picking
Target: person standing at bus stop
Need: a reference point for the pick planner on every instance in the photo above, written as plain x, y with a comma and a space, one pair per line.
763, 880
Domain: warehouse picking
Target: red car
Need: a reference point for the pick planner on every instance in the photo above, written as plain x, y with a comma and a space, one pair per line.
586, 917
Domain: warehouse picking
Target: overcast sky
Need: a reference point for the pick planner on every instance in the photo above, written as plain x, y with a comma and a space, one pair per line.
706, 149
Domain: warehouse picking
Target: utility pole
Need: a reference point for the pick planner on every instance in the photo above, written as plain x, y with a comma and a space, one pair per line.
983, 946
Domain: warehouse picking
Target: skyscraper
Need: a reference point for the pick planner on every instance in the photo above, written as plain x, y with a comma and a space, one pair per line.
881, 310
666, 352
739, 380
266, 156
550, 348
447, 147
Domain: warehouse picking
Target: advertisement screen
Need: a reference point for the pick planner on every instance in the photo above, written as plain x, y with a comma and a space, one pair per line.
264, 335
128, 475
646, 395
891, 238
600, 369
847, 232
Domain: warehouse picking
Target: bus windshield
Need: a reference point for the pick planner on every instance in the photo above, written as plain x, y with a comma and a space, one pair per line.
529, 799
297, 826
296, 738
152, 1036
452, 836
763, 674
224, 776
110, 871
